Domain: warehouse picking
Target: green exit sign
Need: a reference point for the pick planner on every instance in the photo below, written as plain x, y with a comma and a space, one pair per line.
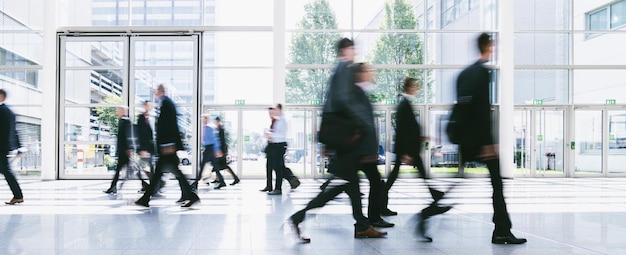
610, 101
240, 102
391, 101
246, 138
316, 102
537, 102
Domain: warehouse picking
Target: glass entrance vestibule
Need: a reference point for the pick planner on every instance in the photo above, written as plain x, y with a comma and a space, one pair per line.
98, 73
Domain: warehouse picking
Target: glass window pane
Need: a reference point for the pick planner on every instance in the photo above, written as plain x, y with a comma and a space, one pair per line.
442, 85
95, 124
444, 156
375, 14
227, 85
96, 53
596, 86
93, 86
541, 49
467, 14
388, 84
19, 80
618, 14
303, 86
617, 142
179, 84
228, 49
598, 20
550, 141
331, 14
166, 13
241, 12
453, 48
314, 48
22, 15
28, 125
391, 48
542, 14
255, 124
549, 86
88, 159
164, 53
602, 49
22, 47
588, 157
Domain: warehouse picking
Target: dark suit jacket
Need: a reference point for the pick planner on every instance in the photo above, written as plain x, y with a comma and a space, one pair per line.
473, 88
145, 135
167, 125
408, 130
123, 136
223, 141
8, 134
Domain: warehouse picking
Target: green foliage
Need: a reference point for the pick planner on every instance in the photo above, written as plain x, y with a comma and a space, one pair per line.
312, 48
107, 115
397, 49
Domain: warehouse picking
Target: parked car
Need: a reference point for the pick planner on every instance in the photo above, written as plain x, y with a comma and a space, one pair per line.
446, 155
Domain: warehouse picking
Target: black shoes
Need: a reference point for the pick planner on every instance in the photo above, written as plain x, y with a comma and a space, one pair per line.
433, 210
235, 182
294, 182
275, 192
190, 202
382, 224
142, 203
265, 189
110, 191
508, 238
387, 212
220, 186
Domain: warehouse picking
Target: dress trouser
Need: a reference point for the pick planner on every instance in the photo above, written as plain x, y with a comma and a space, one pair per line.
393, 175
277, 162
377, 190
5, 169
351, 188
122, 161
208, 156
500, 214
169, 162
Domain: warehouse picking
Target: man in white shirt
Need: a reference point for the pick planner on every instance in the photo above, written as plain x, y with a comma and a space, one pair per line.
277, 142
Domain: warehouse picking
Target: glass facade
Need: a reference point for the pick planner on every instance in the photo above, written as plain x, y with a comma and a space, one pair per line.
225, 54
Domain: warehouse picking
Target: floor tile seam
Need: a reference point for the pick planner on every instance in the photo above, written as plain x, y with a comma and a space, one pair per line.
526, 234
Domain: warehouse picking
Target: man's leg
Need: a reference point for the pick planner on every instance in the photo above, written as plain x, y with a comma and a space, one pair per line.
278, 164
122, 161
376, 195
5, 169
171, 163
393, 175
154, 184
268, 168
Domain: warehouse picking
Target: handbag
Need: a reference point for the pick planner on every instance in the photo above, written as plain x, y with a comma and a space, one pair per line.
338, 132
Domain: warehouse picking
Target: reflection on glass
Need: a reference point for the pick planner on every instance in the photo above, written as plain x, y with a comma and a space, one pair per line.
380, 124
299, 155
549, 148
444, 156
179, 84
89, 159
588, 158
96, 53
230, 123
254, 86
523, 143
596, 86
164, 53
549, 86
96, 124
617, 142
541, 49
255, 125
93, 86
305, 86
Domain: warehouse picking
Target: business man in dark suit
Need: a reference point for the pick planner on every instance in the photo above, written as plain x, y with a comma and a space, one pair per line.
223, 161
342, 99
168, 142
473, 90
145, 137
125, 149
9, 141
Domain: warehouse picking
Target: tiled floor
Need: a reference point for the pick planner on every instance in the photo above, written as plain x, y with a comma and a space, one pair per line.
557, 216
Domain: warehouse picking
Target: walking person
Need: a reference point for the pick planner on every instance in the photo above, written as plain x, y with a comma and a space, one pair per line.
288, 175
473, 91
212, 151
125, 148
277, 144
145, 138
341, 99
9, 141
223, 161
168, 141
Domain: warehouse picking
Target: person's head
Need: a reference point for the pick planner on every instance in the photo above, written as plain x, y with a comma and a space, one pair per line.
345, 49
160, 91
270, 112
218, 121
205, 119
410, 86
147, 105
364, 73
278, 109
121, 111
485, 46
3, 95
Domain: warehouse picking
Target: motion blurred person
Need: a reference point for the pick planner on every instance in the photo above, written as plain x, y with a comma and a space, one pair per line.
212, 151
9, 141
277, 144
145, 137
223, 161
168, 142
473, 89
288, 175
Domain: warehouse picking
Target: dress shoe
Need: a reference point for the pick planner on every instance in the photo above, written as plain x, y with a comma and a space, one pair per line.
388, 212
422, 227
15, 201
194, 186
220, 186
436, 194
235, 182
433, 210
294, 182
110, 191
294, 223
275, 192
142, 203
369, 232
506, 239
382, 224
215, 181
190, 202
265, 189
181, 200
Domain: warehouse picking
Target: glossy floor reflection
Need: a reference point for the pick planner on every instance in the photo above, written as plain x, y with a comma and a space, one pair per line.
558, 216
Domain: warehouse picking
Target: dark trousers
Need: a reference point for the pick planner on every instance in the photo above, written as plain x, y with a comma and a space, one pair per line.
275, 154
208, 156
377, 188
5, 169
122, 161
393, 175
500, 214
168, 162
351, 188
